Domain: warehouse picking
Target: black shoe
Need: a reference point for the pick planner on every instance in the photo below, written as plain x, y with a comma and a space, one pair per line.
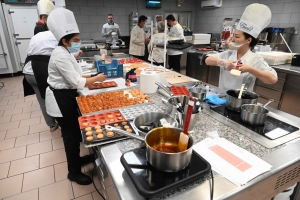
80, 178
86, 159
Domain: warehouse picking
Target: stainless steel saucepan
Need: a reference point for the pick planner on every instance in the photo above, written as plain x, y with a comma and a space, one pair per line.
255, 114
162, 148
198, 92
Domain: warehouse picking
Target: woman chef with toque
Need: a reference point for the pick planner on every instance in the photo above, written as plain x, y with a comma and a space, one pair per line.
65, 78
254, 19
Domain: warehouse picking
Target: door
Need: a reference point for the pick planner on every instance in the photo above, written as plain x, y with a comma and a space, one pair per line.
22, 47
23, 20
3, 54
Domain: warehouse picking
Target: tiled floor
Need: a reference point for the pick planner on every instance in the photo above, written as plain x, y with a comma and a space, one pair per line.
32, 160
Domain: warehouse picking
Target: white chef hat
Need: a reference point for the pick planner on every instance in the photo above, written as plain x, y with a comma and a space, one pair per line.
62, 22
254, 19
45, 7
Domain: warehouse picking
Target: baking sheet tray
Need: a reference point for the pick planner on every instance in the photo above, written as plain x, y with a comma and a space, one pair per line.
133, 112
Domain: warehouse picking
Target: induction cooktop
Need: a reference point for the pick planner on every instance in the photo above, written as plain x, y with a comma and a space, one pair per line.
271, 129
151, 182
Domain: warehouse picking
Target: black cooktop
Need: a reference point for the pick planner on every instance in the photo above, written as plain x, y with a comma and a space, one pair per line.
174, 46
271, 129
151, 182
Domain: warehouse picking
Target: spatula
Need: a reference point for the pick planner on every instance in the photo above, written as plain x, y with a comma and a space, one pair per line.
241, 91
184, 138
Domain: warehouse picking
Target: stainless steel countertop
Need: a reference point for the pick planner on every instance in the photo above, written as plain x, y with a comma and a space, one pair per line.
277, 157
288, 68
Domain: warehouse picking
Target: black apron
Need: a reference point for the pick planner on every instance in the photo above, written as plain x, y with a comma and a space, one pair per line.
39, 65
70, 129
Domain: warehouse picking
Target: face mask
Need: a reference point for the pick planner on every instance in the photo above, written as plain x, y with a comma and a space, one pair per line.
75, 46
234, 46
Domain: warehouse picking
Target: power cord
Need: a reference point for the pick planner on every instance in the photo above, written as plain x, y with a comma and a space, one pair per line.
94, 183
212, 186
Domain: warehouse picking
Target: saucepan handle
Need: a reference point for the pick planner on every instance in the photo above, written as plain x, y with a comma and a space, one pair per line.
270, 101
132, 135
164, 88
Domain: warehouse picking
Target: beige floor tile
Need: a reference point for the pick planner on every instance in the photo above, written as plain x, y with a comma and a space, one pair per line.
29, 122
14, 89
12, 154
58, 143
15, 101
47, 135
1, 113
9, 125
96, 196
31, 109
83, 150
35, 103
18, 92
24, 165
52, 158
6, 189
7, 144
25, 104
38, 178
85, 197
31, 195
80, 190
38, 148
12, 112
7, 107
37, 113
61, 171
4, 167
30, 98
20, 116
38, 127
2, 135
6, 94
3, 102
111, 193
27, 139
17, 132
5, 119
63, 191
10, 98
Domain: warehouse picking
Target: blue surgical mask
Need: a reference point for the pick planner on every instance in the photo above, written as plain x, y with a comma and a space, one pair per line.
75, 46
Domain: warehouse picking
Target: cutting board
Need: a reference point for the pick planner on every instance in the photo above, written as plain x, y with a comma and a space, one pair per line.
175, 78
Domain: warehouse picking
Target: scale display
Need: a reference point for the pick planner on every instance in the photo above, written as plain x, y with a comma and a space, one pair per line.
22, 1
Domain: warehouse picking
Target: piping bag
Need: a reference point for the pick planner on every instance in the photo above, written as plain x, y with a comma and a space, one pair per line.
184, 138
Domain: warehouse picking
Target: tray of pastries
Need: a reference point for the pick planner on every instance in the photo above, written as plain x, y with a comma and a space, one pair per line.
97, 135
99, 85
101, 102
100, 119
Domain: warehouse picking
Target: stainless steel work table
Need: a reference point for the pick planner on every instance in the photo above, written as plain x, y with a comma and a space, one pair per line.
285, 160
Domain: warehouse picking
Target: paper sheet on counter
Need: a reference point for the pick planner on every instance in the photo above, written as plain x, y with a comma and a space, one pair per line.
231, 161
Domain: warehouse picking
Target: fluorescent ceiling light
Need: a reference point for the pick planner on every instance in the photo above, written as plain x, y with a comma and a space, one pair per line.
154, 1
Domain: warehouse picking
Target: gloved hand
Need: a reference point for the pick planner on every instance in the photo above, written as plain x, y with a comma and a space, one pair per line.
228, 64
92, 75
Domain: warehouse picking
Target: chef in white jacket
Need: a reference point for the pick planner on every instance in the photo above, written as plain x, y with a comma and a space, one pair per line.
138, 39
157, 54
65, 78
239, 63
176, 31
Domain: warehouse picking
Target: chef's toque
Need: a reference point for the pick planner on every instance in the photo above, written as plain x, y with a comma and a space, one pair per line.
254, 19
62, 22
45, 7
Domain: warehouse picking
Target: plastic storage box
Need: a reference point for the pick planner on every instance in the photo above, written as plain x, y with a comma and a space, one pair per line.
276, 58
111, 70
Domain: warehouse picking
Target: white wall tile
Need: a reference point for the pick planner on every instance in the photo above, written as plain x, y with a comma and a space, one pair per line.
94, 3
281, 18
276, 8
84, 10
229, 11
293, 7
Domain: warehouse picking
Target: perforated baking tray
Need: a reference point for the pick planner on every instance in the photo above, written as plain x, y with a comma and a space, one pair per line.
133, 112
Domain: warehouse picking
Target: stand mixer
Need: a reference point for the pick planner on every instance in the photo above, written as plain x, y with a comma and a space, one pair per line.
114, 43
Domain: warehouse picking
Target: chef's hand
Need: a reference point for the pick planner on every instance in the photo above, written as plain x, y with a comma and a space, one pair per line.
228, 41
101, 77
244, 68
228, 64
147, 40
112, 30
96, 74
78, 54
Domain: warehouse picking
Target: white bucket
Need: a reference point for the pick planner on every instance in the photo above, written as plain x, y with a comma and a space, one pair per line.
285, 195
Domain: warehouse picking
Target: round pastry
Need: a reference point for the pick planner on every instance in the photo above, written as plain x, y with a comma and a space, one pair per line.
102, 121
88, 129
111, 120
129, 130
100, 136
115, 125
110, 134
126, 127
118, 127
85, 124
89, 133
110, 116
99, 131
124, 123
118, 115
120, 118
97, 127
89, 138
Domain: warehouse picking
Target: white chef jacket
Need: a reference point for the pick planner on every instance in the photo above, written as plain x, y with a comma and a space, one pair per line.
228, 81
137, 41
42, 43
176, 31
64, 73
158, 53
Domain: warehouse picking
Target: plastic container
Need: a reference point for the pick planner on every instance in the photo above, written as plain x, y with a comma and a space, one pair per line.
110, 70
276, 58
